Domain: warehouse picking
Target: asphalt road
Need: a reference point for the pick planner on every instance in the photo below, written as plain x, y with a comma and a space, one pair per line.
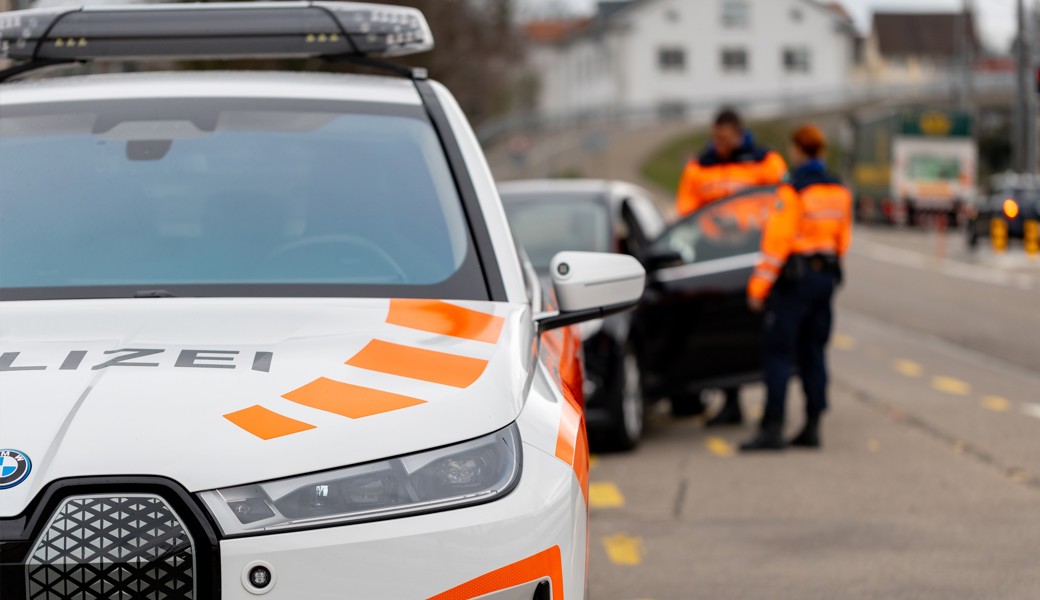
929, 482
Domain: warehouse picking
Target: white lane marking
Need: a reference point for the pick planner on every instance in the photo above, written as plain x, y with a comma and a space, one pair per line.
967, 272
1032, 410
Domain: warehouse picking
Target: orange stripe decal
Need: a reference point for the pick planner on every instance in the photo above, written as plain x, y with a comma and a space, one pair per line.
266, 424
351, 401
544, 564
570, 421
572, 444
442, 318
417, 363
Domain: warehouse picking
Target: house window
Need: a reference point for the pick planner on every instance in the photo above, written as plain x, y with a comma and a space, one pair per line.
736, 14
671, 60
735, 60
797, 60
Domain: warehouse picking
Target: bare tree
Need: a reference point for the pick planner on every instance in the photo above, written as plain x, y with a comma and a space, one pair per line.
478, 54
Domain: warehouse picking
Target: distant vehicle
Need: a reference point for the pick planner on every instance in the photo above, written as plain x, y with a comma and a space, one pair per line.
551, 216
692, 331
918, 161
1014, 203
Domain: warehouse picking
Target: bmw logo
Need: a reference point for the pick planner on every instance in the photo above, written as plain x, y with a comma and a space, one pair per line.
14, 468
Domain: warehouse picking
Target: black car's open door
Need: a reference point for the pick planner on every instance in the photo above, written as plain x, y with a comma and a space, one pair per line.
694, 325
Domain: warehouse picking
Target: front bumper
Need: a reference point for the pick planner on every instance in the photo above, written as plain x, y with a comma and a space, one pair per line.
501, 550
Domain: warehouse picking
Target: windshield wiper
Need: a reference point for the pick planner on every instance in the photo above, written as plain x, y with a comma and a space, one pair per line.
154, 294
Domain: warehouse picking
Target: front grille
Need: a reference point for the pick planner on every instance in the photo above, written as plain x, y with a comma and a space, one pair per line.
118, 547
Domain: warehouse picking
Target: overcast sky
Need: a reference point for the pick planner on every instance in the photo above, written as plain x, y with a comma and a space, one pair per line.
997, 17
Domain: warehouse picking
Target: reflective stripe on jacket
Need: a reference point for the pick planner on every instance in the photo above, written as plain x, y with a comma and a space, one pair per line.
712, 178
812, 216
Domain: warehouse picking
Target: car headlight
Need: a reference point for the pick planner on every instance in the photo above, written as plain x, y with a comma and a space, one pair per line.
464, 474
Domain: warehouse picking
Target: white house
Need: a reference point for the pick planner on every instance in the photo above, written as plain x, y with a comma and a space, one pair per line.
667, 54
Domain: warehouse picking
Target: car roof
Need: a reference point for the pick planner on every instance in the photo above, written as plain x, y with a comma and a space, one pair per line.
610, 190
544, 186
214, 84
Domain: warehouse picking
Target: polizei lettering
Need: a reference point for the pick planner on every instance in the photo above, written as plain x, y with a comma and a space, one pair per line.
122, 358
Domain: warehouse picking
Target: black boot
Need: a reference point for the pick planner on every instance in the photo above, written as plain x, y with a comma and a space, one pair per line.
730, 414
769, 438
810, 435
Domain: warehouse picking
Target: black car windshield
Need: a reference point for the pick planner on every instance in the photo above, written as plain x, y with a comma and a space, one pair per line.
567, 222
229, 197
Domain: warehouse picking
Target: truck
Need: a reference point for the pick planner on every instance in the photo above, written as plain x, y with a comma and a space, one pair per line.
916, 162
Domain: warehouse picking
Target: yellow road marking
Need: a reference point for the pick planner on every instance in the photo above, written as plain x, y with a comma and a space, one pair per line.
960, 447
1019, 476
996, 403
719, 447
950, 385
844, 342
624, 550
605, 494
593, 461
908, 368
874, 446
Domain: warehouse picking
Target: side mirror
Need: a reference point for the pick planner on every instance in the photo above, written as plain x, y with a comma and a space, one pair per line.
593, 285
656, 258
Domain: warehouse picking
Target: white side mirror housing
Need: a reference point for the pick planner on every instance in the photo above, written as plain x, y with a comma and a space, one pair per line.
592, 285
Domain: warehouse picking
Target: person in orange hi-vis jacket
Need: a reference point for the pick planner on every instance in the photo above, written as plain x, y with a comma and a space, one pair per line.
732, 163
794, 282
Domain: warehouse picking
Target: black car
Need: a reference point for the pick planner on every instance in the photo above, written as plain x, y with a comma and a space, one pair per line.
1009, 209
692, 331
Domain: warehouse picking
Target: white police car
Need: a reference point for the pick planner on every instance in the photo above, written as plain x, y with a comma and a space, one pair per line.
268, 334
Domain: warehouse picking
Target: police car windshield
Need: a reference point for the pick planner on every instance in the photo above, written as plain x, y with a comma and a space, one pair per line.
229, 197
567, 222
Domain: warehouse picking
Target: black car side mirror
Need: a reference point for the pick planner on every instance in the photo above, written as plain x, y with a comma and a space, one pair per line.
656, 258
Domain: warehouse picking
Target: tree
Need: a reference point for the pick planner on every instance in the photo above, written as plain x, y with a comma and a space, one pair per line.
477, 54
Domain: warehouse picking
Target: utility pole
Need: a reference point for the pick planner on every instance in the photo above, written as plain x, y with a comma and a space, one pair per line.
966, 55
1025, 135
1032, 94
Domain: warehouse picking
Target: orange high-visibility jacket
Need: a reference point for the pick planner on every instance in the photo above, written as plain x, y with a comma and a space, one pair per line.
812, 216
711, 177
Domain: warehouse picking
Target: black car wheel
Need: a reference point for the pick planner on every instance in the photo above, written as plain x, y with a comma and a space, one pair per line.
627, 406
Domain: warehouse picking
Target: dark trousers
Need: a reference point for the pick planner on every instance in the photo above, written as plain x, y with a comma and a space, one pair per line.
797, 328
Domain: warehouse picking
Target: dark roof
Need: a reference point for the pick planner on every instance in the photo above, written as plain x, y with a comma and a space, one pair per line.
926, 35
608, 10
553, 31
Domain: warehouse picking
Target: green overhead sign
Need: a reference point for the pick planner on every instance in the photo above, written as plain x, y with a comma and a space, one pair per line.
936, 123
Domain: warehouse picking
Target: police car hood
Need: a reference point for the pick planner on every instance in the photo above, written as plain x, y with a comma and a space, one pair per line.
214, 393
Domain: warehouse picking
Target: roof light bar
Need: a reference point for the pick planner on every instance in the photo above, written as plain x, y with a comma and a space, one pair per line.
215, 30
